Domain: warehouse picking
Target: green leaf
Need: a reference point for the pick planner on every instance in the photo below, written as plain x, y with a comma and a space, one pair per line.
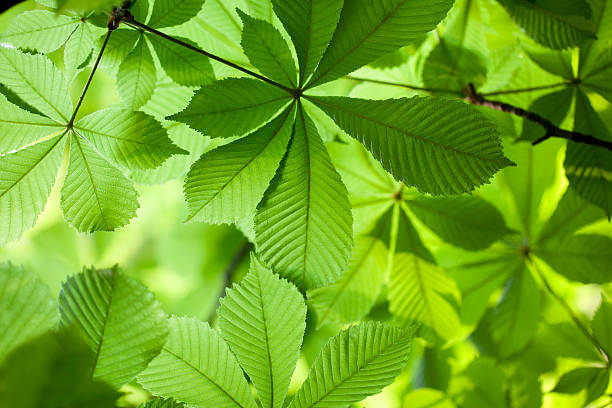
267, 50
584, 257
303, 224
136, 77
263, 321
479, 279
79, 46
337, 377
232, 107
589, 168
52, 371
95, 196
19, 127
227, 183
311, 24
40, 30
353, 295
488, 383
602, 325
184, 66
553, 106
196, 367
368, 30
28, 309
593, 53
119, 319
26, 179
555, 26
576, 380
126, 138
427, 398
437, 145
572, 213
35, 79
162, 403
422, 291
516, 315
167, 13
554, 61
467, 222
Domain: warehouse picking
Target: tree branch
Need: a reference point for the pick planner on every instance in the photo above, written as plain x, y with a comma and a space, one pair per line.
551, 129
140, 26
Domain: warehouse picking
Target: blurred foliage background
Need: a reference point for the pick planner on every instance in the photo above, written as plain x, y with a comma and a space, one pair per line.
185, 265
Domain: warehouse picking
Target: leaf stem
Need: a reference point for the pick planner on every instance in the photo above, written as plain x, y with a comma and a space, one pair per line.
89, 79
135, 24
577, 321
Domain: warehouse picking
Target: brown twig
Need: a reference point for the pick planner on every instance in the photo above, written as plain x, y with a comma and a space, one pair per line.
551, 129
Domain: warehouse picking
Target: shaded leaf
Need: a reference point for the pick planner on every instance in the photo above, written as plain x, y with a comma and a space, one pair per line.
40, 30
167, 13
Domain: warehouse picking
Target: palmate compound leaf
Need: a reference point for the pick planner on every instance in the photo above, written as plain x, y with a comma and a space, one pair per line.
311, 25
28, 309
227, 183
197, 367
119, 319
96, 194
356, 363
263, 321
558, 27
232, 107
303, 224
53, 371
267, 50
368, 30
437, 145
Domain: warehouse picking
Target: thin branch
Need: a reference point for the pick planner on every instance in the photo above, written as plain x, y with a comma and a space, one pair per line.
407, 86
551, 129
237, 259
524, 90
135, 24
577, 321
89, 79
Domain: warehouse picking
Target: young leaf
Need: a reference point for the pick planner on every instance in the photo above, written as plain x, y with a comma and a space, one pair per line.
53, 371
304, 224
466, 222
267, 50
311, 24
19, 127
35, 79
232, 107
354, 294
26, 179
95, 196
356, 363
368, 30
184, 66
196, 367
119, 319
136, 77
439, 146
551, 26
128, 139
41, 30
516, 315
168, 13
227, 183
263, 321
588, 168
584, 257
28, 309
